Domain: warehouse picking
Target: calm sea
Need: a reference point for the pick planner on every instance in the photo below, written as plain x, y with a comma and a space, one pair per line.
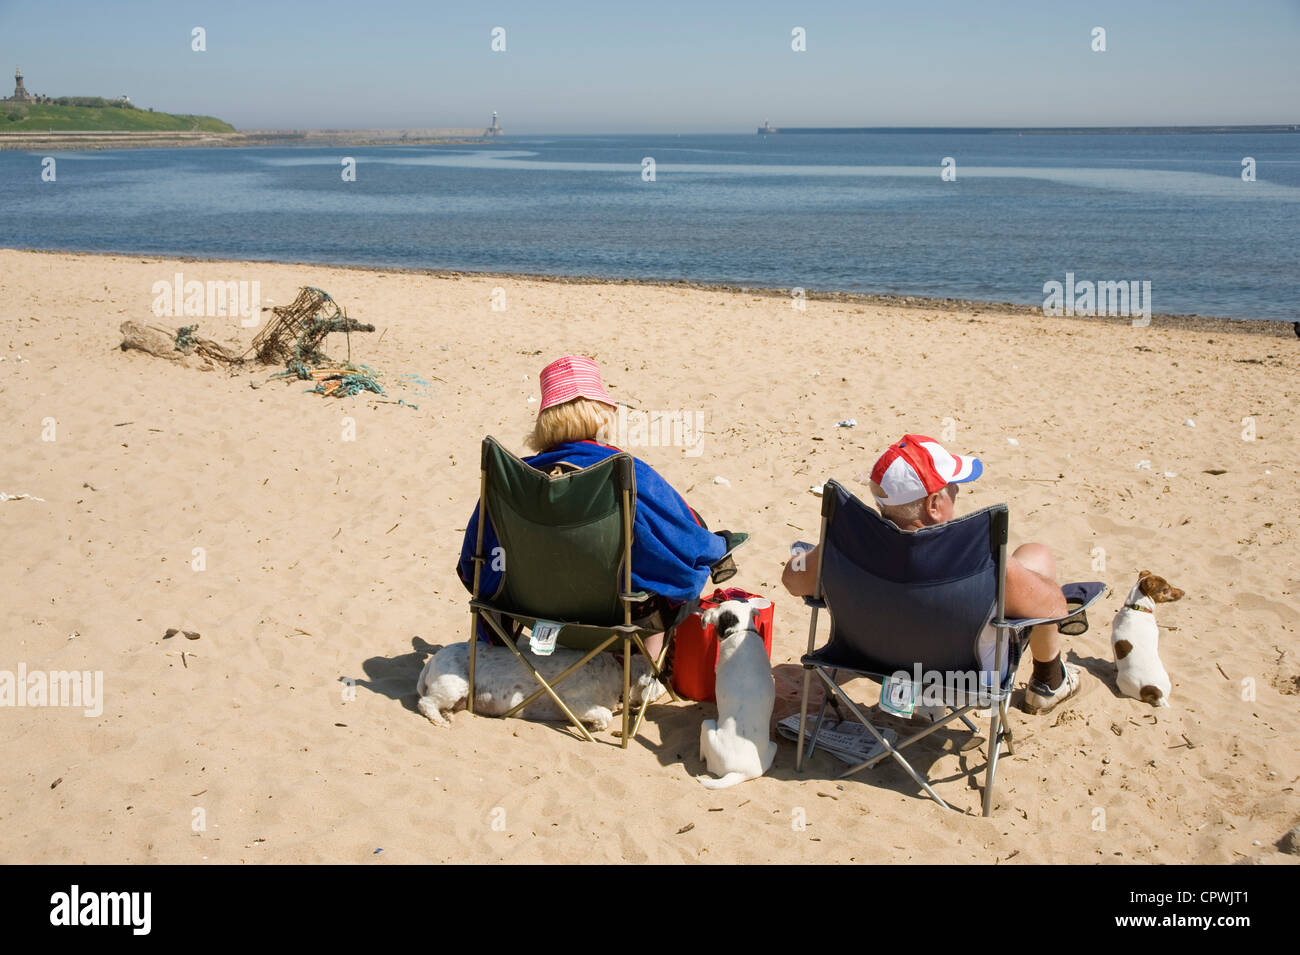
857, 213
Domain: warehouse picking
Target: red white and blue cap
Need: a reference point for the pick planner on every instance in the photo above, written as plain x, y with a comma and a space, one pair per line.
917, 467
572, 377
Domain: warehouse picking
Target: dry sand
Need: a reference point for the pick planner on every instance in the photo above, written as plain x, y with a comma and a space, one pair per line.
328, 560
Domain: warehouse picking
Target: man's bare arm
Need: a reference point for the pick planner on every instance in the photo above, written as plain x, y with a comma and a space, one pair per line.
800, 574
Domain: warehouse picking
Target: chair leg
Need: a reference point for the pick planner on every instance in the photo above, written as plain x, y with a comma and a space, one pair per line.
664, 679
557, 679
892, 751
803, 717
1006, 729
807, 682
656, 667
627, 686
817, 726
546, 687
995, 746
473, 650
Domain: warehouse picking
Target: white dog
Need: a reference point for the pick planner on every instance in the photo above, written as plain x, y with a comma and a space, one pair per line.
738, 745
591, 693
1135, 640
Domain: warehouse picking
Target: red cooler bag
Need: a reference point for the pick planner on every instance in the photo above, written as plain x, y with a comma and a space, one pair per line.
695, 646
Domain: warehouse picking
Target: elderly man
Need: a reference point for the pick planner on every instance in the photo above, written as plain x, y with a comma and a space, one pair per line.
915, 484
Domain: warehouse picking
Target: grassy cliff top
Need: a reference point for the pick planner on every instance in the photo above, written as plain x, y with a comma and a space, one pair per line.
38, 117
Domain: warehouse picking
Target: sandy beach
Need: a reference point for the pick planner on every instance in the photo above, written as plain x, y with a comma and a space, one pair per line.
310, 542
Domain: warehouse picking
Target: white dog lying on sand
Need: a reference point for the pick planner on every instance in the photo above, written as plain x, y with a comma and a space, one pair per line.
591, 693
738, 744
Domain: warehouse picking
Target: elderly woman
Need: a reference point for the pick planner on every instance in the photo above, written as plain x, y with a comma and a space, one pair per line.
672, 550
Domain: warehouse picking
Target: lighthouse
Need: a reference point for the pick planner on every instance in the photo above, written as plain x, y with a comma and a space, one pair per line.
494, 129
20, 92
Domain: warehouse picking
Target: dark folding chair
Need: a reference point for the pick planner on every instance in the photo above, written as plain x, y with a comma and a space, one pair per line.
566, 551
917, 602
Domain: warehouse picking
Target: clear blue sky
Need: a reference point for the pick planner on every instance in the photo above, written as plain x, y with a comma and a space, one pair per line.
663, 65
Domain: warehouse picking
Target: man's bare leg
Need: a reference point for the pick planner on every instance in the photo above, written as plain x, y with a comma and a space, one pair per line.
1045, 639
1053, 681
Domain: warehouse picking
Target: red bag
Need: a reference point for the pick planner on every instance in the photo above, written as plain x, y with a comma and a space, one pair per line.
695, 646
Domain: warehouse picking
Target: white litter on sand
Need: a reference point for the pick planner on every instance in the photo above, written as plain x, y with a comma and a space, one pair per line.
1143, 465
721, 480
20, 497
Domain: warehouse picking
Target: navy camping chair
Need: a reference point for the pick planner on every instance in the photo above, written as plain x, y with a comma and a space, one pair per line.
914, 601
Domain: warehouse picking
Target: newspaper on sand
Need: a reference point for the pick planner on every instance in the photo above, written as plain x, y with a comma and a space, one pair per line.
848, 740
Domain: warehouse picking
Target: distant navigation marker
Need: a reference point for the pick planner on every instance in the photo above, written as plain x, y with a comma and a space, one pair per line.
20, 92
495, 129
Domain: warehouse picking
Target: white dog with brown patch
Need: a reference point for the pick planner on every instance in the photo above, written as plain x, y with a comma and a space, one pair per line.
738, 744
1135, 640
591, 692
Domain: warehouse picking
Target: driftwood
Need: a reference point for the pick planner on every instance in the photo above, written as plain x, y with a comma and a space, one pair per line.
161, 343
147, 338
293, 338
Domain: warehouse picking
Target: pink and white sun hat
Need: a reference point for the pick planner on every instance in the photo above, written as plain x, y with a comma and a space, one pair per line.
572, 377
918, 466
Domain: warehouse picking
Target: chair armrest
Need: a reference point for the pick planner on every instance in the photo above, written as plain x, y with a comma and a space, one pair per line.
1082, 595
724, 568
816, 602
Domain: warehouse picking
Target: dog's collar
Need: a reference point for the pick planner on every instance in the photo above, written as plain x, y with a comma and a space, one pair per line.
1136, 607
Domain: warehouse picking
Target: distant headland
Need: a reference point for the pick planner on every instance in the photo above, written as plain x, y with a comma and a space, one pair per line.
29, 119
34, 121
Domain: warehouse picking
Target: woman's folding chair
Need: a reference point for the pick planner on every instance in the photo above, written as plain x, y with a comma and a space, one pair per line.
923, 613
565, 552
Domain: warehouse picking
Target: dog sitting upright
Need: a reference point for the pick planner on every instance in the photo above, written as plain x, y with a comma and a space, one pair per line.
738, 744
1135, 640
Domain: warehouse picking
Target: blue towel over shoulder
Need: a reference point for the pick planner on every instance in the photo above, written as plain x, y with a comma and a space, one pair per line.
671, 549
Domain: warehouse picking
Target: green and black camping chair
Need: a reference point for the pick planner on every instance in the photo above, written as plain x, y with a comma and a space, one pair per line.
566, 560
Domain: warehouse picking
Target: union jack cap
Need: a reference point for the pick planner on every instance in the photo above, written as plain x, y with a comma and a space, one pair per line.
918, 466
572, 377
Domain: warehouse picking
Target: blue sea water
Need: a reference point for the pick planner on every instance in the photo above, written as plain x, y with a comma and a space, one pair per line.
856, 213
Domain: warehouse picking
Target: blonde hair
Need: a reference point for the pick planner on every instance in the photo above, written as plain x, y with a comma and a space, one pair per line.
578, 420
